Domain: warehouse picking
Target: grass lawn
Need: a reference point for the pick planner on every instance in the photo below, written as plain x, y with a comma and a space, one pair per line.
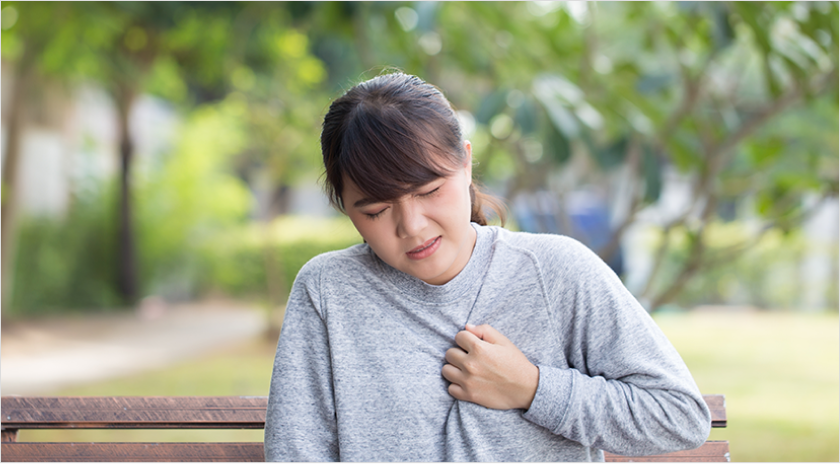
780, 373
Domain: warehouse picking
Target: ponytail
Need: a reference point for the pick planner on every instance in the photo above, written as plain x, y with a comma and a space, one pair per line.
479, 200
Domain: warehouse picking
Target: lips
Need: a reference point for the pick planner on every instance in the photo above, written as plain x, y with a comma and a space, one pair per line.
425, 245
425, 249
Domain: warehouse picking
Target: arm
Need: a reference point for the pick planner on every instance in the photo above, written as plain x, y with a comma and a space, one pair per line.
627, 391
300, 420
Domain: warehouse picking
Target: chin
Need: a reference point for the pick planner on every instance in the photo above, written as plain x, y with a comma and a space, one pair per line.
430, 274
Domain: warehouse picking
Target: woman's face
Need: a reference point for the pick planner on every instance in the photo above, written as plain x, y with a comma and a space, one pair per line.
426, 233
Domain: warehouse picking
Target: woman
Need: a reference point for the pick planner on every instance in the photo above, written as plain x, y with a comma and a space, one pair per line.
443, 339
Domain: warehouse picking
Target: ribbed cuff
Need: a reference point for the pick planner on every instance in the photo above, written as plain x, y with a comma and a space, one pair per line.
548, 409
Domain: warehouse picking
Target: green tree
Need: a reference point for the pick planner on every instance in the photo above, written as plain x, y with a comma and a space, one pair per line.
127, 48
739, 97
26, 35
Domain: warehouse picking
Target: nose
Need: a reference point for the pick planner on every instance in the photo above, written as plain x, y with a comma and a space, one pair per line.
412, 219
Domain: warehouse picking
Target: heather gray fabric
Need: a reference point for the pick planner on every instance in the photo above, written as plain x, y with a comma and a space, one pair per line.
357, 373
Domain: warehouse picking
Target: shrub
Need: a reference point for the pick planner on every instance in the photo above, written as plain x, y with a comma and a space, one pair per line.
66, 263
239, 262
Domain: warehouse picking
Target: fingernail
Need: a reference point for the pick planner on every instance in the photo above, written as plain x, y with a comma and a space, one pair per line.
470, 326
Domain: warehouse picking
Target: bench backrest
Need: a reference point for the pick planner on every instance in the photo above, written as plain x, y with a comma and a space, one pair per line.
192, 413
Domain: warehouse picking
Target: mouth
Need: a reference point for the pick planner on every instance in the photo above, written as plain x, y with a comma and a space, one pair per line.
425, 250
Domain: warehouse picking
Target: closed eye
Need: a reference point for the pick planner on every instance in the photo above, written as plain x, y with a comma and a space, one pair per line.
428, 194
375, 215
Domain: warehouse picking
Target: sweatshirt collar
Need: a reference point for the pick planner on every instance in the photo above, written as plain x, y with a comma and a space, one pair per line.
466, 282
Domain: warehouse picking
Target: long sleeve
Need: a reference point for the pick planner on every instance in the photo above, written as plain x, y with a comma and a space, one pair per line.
301, 420
627, 390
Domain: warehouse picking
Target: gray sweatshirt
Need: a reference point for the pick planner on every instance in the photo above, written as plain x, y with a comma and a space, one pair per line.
357, 376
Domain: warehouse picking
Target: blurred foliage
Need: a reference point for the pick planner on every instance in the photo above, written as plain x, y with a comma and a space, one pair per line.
560, 95
740, 98
68, 263
69, 268
767, 274
234, 262
188, 199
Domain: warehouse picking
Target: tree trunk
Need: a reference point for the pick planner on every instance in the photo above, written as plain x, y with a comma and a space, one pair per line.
9, 211
126, 259
275, 283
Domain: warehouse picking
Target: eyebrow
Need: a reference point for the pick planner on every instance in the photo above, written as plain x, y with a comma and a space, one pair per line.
364, 202
369, 201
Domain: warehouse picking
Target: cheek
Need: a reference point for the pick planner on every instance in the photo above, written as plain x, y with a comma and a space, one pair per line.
361, 227
456, 208
371, 231
466, 203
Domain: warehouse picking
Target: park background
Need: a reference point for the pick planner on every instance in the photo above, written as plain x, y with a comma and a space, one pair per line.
161, 168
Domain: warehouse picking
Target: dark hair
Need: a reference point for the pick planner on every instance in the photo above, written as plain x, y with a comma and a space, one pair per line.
390, 135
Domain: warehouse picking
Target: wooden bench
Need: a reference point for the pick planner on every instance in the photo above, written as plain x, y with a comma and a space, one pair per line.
223, 412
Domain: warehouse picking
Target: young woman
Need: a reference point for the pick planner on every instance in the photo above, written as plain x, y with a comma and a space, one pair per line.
444, 339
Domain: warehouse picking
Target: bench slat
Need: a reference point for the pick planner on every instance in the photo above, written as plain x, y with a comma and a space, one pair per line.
717, 406
712, 451
216, 412
132, 452
160, 412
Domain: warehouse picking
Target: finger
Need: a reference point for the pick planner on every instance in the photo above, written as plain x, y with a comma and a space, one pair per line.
457, 392
456, 357
452, 373
466, 340
487, 333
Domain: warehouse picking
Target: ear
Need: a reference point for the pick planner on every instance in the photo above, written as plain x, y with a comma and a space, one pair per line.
468, 160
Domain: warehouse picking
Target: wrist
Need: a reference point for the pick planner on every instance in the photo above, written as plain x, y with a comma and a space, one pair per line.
532, 381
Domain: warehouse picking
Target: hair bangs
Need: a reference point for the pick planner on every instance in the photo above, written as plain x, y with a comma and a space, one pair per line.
386, 156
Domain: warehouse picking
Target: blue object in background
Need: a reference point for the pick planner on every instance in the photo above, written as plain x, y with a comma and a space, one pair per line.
587, 221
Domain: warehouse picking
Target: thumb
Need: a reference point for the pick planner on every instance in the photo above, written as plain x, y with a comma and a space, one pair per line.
487, 333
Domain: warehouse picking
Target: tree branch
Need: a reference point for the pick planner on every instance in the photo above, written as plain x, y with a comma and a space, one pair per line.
695, 257
693, 87
767, 113
657, 263
634, 157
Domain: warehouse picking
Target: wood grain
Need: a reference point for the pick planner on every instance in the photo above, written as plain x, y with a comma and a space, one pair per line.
717, 405
152, 412
9, 435
711, 451
161, 412
189, 412
132, 452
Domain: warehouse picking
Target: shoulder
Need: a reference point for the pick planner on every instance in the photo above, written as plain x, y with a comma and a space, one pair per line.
547, 249
561, 261
323, 275
341, 262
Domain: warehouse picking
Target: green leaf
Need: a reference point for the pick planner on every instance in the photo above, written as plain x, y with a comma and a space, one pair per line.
653, 83
610, 155
764, 152
556, 145
722, 32
490, 106
526, 116
751, 13
652, 169
555, 93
